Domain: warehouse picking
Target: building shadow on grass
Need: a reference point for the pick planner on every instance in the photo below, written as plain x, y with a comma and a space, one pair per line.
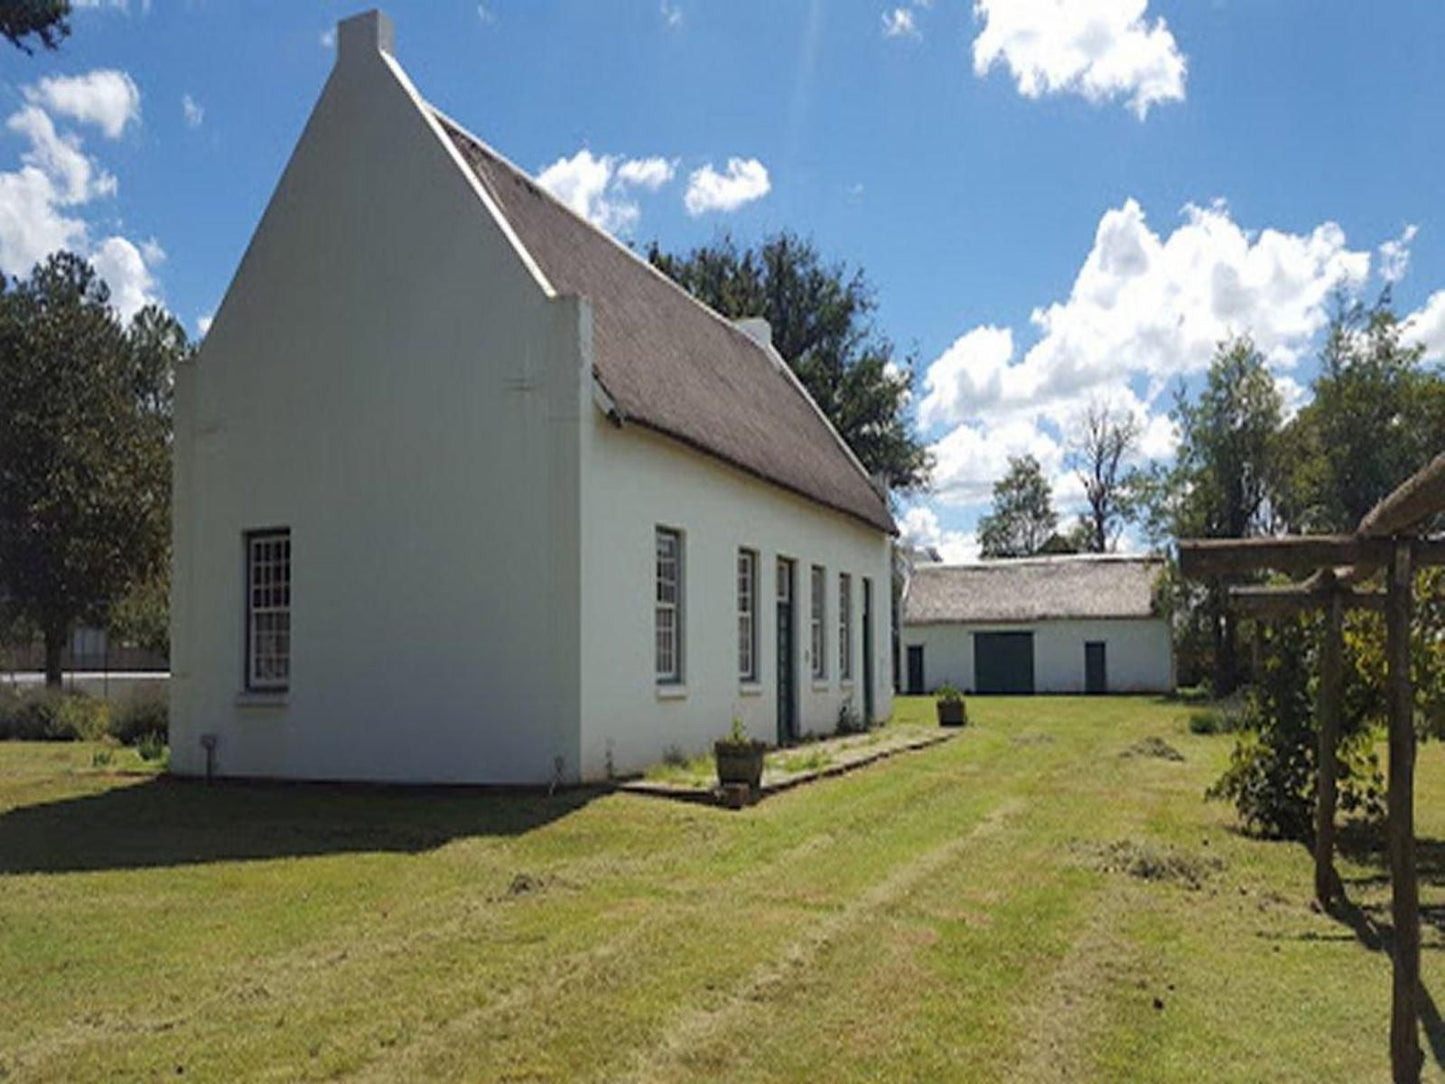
167, 821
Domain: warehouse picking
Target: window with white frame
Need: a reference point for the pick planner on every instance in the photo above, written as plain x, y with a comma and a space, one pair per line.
268, 610
669, 606
747, 615
845, 626
820, 614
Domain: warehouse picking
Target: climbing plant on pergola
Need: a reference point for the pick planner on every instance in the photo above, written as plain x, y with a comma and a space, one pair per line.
1391, 538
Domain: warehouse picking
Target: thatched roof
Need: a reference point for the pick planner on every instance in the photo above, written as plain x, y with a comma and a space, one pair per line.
1032, 589
670, 363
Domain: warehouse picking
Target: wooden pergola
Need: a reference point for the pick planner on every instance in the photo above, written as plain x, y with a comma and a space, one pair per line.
1389, 539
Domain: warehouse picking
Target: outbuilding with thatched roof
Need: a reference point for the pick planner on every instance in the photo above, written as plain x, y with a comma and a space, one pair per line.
1057, 624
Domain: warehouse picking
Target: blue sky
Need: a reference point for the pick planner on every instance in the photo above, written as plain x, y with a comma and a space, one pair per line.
1058, 203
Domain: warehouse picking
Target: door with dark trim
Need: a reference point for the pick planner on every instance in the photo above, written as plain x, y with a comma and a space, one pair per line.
867, 651
1096, 667
787, 656
1003, 662
915, 669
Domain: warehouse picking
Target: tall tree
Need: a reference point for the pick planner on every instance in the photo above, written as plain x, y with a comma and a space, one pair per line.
85, 417
47, 21
1099, 452
1023, 520
822, 324
1227, 472
1376, 417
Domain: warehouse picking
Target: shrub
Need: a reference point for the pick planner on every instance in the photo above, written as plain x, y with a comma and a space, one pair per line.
49, 715
949, 694
1217, 719
139, 717
1271, 773
151, 746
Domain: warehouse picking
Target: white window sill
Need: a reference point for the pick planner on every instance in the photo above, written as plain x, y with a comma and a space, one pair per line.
846, 683
750, 688
675, 691
820, 685
261, 698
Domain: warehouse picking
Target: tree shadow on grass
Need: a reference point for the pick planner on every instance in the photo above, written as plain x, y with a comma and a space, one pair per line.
170, 822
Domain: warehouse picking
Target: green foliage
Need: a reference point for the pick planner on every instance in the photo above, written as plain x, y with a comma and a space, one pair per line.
84, 451
1272, 770
139, 718
821, 317
1216, 719
1376, 417
1023, 517
142, 616
948, 694
51, 715
151, 747
47, 21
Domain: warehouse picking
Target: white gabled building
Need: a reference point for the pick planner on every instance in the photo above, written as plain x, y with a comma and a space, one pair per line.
1069, 624
465, 491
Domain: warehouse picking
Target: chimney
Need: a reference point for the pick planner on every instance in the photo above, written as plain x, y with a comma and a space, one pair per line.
757, 329
365, 34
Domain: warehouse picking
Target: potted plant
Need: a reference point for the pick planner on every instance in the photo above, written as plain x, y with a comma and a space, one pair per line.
739, 758
952, 711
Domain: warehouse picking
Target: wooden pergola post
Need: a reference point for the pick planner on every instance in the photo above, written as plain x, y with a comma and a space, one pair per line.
1331, 693
1405, 1056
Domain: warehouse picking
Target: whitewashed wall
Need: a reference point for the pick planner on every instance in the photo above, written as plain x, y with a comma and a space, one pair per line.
389, 380
1139, 656
634, 481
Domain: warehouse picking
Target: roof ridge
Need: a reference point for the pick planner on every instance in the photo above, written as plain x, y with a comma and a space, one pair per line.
731, 325
996, 563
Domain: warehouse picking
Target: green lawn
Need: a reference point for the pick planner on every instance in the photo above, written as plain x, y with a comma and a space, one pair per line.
969, 912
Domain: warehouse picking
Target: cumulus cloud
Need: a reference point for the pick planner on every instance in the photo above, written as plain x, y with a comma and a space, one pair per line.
1427, 326
193, 111
920, 527
1395, 255
597, 186
1144, 310
900, 23
42, 203
671, 14
107, 98
744, 180
203, 323
1101, 49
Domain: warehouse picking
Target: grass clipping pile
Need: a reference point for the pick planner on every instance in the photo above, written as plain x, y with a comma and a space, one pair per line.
1148, 862
1153, 747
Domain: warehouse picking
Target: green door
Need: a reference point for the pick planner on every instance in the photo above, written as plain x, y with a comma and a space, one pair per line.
1096, 668
787, 664
1003, 662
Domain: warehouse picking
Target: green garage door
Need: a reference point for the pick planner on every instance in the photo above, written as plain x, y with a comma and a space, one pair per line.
1003, 662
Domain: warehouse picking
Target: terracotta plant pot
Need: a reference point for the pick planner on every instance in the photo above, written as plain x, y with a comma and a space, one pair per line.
952, 713
740, 762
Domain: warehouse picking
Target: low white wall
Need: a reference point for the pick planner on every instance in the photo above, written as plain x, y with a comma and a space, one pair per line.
1139, 656
634, 481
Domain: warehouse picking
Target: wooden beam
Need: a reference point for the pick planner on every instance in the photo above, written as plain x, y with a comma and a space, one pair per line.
1405, 1055
1331, 695
1414, 501
1288, 599
1349, 558
1203, 558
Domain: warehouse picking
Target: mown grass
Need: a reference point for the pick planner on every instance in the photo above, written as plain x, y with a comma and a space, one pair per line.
1008, 905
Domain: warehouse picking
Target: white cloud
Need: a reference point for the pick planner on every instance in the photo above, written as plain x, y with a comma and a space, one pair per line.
112, 5
1101, 49
1395, 255
595, 186
920, 527
485, 14
671, 14
1427, 325
203, 323
106, 98
649, 173
328, 38
899, 23
193, 110
41, 201
75, 176
745, 180
1144, 310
